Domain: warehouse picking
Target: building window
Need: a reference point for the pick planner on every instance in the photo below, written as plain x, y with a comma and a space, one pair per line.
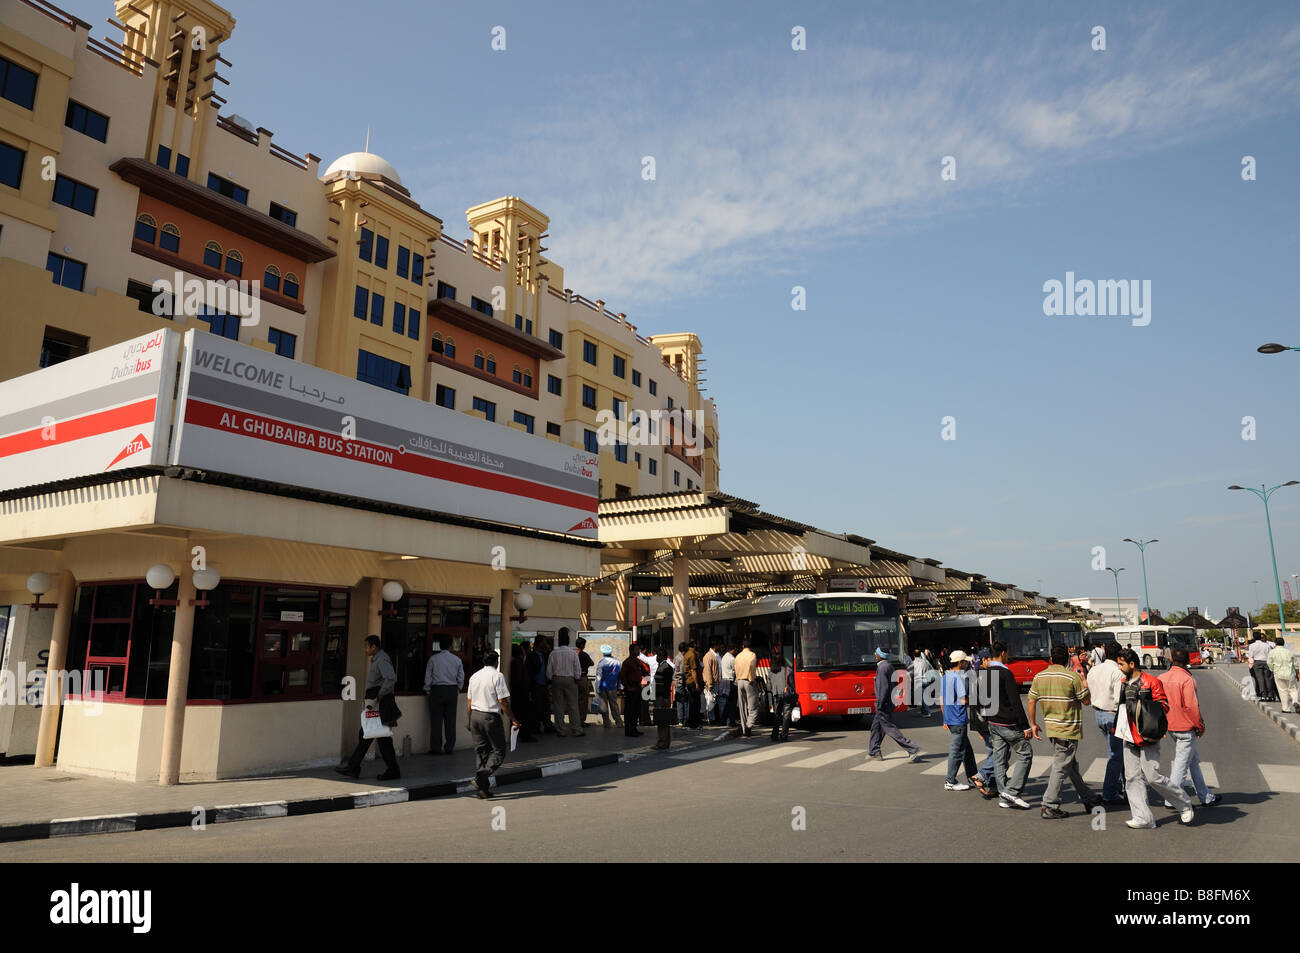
481, 306
636, 457
517, 375
360, 303
636, 378
86, 121
146, 298
75, 195
291, 286
381, 252
478, 360
553, 385
589, 352
445, 397
59, 346
234, 263
66, 271
488, 408
553, 429
182, 165
590, 442
519, 322
271, 279
222, 324
399, 317
146, 229
525, 419
164, 157
380, 371
588, 396
366, 247
528, 380
417, 269
557, 339
620, 452
227, 188
413, 324
620, 408
11, 165
280, 213
449, 349
435, 343
170, 239
650, 423
690, 484
677, 478
543, 586
17, 83
285, 344
377, 309
491, 364
654, 388
446, 291
212, 255
670, 403
403, 261
653, 464
620, 366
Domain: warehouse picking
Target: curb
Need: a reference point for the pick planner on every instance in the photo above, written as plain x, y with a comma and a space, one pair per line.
227, 813
1290, 728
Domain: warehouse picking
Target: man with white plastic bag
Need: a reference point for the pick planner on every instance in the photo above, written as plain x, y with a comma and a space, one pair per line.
381, 679
487, 697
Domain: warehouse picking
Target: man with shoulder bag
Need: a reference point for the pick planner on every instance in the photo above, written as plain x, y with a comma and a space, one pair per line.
381, 679
1141, 722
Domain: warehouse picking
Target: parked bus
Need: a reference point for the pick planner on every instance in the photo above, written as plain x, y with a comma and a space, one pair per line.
1027, 638
1153, 643
1184, 637
1069, 634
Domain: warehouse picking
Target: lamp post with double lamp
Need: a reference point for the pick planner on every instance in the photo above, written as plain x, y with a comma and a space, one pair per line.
1142, 545
1119, 612
1275, 348
1264, 493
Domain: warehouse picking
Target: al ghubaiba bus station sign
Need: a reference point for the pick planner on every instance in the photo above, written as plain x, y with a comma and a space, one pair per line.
279, 503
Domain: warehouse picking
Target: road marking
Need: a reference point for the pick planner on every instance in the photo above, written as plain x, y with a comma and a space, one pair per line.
830, 757
1283, 778
767, 755
1096, 773
891, 761
706, 752
940, 768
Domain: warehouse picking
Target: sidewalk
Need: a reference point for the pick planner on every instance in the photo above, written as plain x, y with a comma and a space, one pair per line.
36, 803
1290, 723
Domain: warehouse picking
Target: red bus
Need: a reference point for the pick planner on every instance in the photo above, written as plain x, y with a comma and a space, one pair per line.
1027, 638
1184, 637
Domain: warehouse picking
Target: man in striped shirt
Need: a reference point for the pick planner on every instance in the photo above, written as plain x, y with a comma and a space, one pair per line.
1061, 693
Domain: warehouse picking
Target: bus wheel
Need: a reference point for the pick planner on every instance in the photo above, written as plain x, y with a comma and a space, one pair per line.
1146, 661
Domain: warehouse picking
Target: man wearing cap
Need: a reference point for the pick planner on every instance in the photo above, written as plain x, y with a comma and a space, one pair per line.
607, 670
883, 722
954, 693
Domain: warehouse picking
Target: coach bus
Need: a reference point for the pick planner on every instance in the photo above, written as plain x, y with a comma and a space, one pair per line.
1154, 643
1027, 638
1069, 634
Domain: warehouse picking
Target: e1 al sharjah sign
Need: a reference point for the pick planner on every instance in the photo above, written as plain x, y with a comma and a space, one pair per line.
247, 412
98, 412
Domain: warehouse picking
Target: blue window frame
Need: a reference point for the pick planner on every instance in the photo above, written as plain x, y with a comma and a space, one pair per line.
403, 261
636, 378
75, 195
212, 255
360, 303
182, 165
481, 306
170, 239
291, 286
380, 371
588, 396
478, 360
17, 83
525, 419
491, 364
222, 324
620, 452
488, 408
677, 478
146, 229
445, 397
413, 328
553, 385
620, 366
553, 429
517, 375
449, 348
285, 344
446, 291
164, 157
381, 251
557, 339
288, 216
86, 121
417, 268
366, 247
399, 317
653, 465
11, 165
620, 408
377, 309
519, 322
234, 263
589, 441
589, 352
227, 188
271, 278
66, 271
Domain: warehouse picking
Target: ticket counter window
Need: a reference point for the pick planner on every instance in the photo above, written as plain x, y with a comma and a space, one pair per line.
458, 625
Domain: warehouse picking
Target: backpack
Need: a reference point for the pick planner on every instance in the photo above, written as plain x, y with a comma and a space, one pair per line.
608, 676
1152, 723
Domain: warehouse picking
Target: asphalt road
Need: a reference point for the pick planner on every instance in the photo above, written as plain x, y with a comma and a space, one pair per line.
706, 804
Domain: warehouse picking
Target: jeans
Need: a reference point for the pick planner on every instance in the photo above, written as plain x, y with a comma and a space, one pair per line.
1111, 788
1142, 767
1187, 761
1008, 741
959, 753
1065, 765
683, 705
986, 768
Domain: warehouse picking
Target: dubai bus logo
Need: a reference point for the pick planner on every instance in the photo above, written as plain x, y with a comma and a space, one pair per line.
135, 446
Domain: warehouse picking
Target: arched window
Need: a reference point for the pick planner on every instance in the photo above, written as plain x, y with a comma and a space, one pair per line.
291, 286
528, 379
212, 255
437, 342
170, 240
449, 348
146, 229
234, 263
517, 375
272, 278
478, 359
491, 363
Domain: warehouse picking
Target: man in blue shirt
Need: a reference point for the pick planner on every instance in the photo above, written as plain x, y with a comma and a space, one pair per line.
953, 691
883, 722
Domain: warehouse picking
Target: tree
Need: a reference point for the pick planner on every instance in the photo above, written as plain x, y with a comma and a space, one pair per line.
1269, 612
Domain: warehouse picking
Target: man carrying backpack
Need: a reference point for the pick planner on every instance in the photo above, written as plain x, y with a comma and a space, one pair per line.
1142, 722
607, 685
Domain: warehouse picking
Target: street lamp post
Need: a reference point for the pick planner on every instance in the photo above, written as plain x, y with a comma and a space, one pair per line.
1142, 545
1119, 612
1264, 493
1275, 348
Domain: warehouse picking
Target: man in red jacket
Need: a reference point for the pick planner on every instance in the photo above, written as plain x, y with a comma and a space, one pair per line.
1142, 760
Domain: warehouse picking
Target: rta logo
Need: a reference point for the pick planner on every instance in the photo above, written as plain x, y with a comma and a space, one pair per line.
135, 446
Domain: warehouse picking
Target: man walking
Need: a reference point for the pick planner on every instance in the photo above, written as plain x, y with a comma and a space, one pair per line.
1141, 757
1105, 681
746, 672
607, 670
1281, 663
1062, 693
711, 673
1185, 726
443, 677
651, 663
632, 675
1258, 655
486, 698
883, 722
664, 675
691, 682
381, 679
920, 678
563, 670
1009, 729
954, 692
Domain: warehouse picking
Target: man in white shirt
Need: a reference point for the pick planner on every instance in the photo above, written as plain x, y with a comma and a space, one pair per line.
443, 677
563, 671
1258, 655
651, 662
1105, 682
486, 698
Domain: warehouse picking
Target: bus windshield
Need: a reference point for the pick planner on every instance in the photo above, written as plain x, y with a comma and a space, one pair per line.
1183, 639
1025, 638
845, 633
1070, 635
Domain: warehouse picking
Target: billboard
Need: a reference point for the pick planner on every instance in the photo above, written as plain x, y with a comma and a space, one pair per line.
251, 413
107, 410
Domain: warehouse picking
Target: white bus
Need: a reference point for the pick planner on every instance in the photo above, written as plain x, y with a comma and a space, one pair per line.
1153, 643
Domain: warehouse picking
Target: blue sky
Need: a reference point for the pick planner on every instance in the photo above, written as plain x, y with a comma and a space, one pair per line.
820, 168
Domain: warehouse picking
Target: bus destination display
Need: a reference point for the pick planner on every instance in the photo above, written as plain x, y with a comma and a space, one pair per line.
848, 607
1020, 623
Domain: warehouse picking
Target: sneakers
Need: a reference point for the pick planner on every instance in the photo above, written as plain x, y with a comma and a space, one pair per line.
1186, 816
915, 756
1052, 814
877, 757
1017, 802
1092, 804
1139, 826
949, 786
1214, 799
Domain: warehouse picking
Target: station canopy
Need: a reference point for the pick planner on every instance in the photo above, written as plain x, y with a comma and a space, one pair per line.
735, 550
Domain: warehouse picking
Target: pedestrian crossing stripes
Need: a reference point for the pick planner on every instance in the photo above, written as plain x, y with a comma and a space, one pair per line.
1280, 777
830, 757
771, 754
872, 765
710, 751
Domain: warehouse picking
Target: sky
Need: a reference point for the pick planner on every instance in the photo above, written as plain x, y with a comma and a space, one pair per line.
822, 168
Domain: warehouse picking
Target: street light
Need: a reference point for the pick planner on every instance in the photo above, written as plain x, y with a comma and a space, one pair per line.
1275, 348
1119, 613
1264, 493
1142, 545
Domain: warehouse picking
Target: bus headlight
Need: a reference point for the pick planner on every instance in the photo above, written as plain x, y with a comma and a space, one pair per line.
819, 696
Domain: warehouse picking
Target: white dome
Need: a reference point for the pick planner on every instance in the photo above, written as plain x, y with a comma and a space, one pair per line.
366, 163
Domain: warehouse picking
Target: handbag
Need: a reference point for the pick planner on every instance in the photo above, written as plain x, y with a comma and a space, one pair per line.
1152, 722
389, 713
663, 716
372, 725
